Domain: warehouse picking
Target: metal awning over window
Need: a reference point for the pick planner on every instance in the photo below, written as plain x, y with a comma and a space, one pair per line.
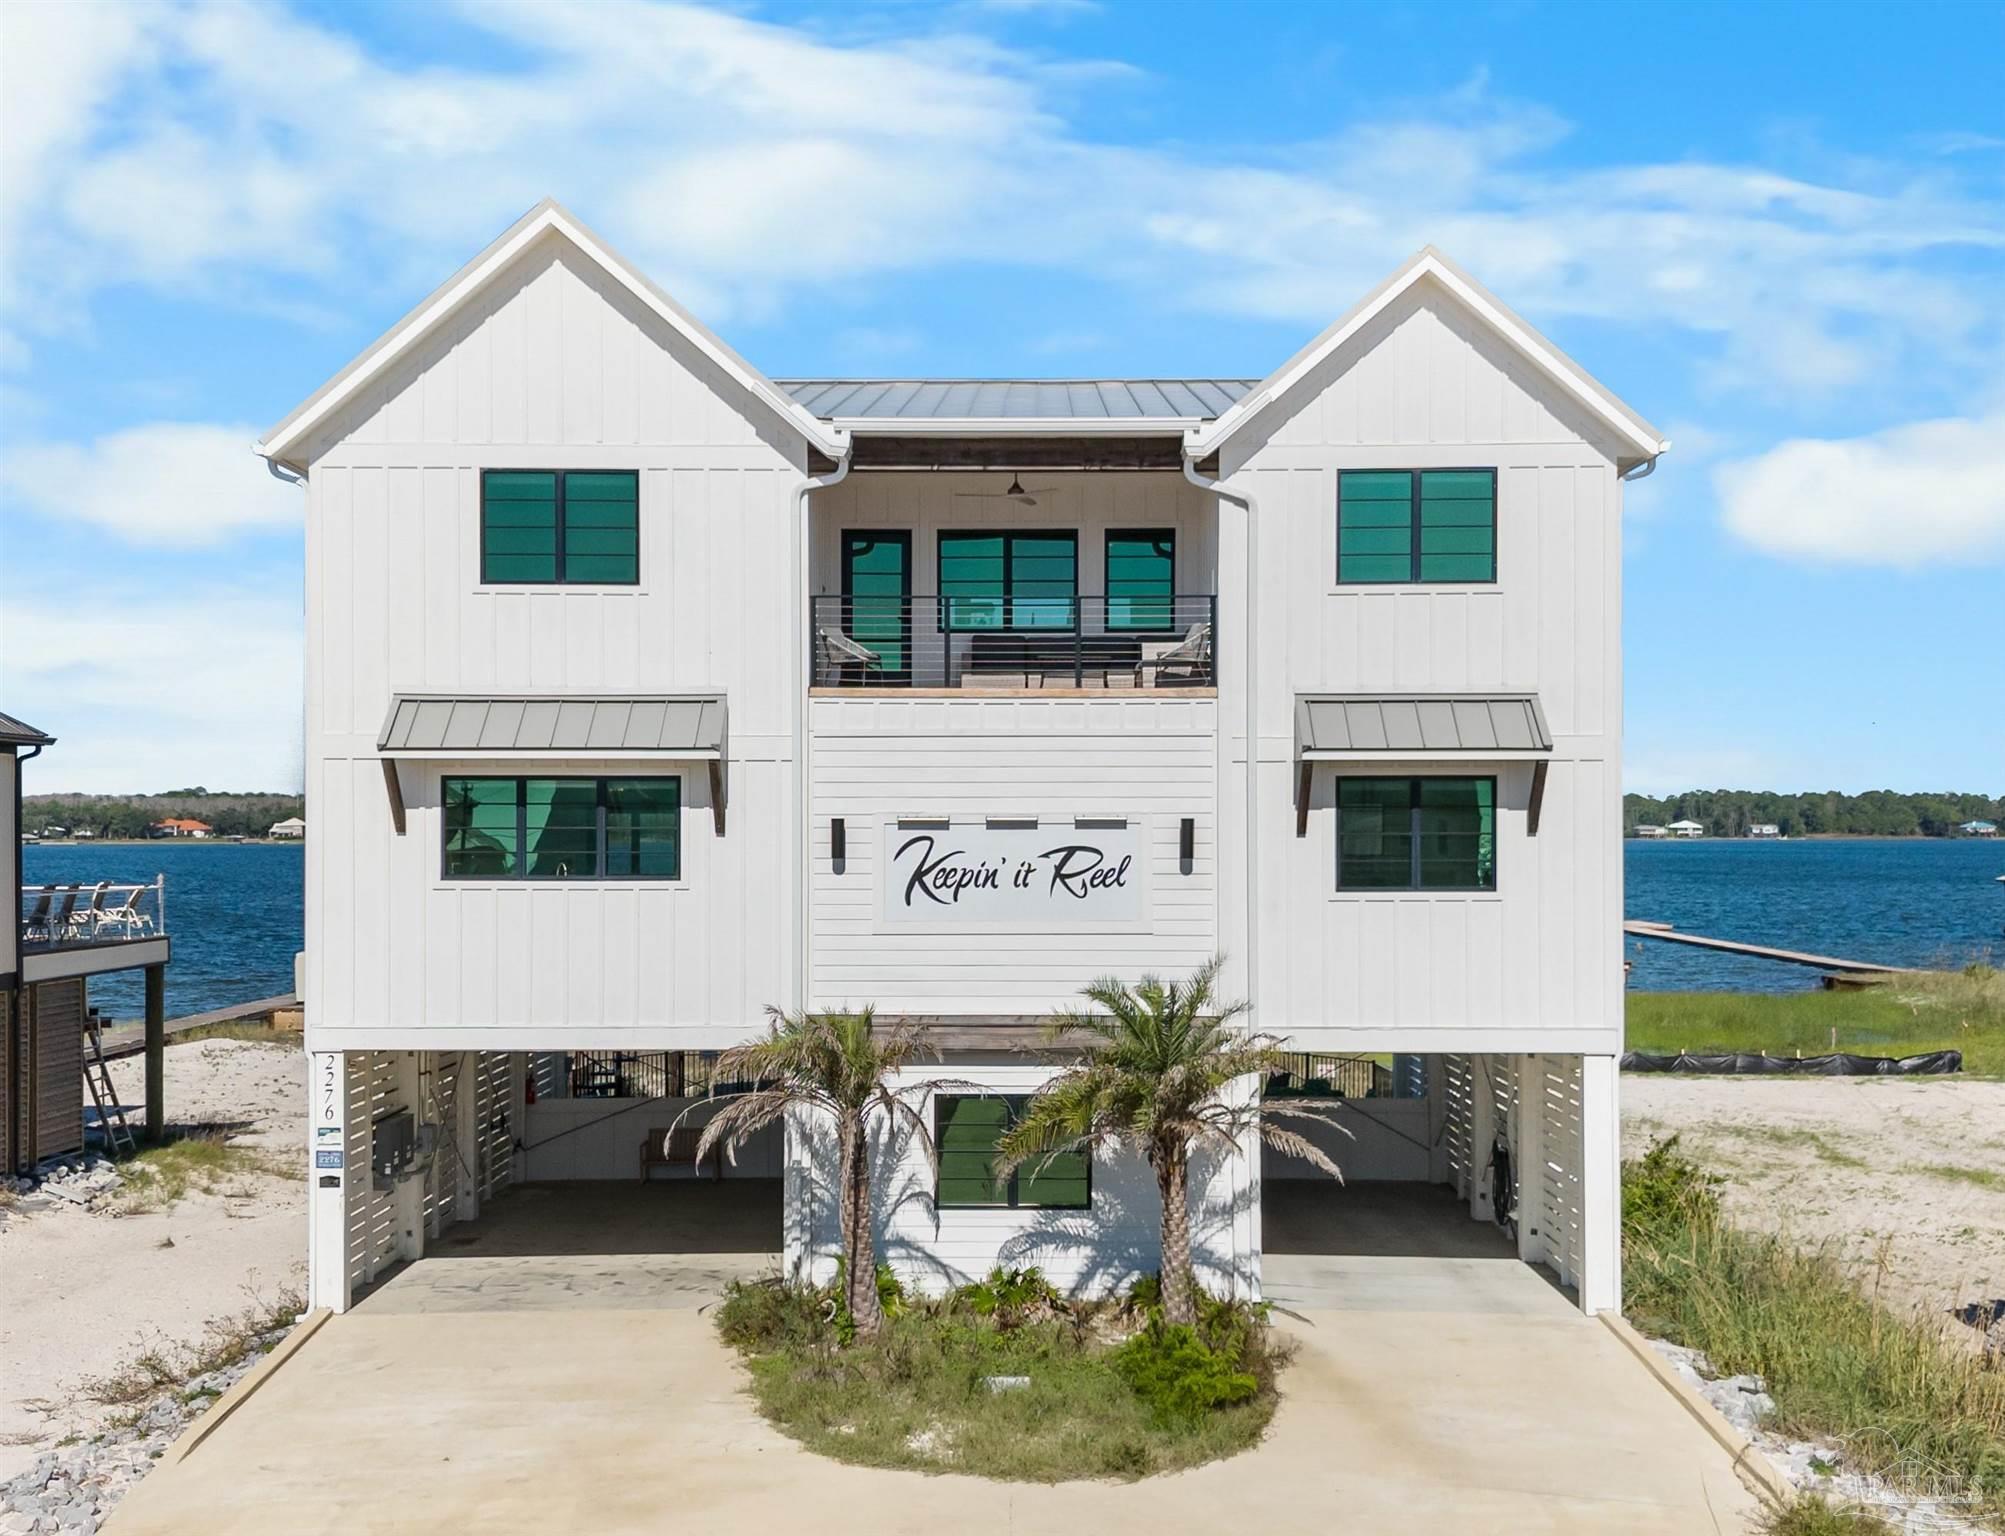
1448, 727
542, 727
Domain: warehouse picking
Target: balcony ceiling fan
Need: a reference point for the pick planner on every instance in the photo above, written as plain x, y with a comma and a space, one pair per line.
1016, 492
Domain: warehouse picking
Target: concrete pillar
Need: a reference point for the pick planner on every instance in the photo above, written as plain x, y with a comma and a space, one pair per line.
328, 1180
1529, 1160
1600, 1277
156, 1052
408, 1198
465, 1131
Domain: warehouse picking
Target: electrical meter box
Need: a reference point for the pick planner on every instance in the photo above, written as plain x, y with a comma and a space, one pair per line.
393, 1146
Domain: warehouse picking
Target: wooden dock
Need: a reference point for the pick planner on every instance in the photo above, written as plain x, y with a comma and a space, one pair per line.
1830, 963
129, 1039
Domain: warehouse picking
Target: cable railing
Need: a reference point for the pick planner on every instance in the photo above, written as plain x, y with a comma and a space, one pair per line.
1000, 643
107, 912
1311, 1075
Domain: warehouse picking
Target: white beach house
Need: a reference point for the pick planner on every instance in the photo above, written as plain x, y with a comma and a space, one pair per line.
645, 691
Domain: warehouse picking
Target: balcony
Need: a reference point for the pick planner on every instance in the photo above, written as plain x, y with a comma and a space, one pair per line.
67, 917
965, 644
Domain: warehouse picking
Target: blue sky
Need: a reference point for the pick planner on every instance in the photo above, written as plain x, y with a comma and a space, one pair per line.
1778, 231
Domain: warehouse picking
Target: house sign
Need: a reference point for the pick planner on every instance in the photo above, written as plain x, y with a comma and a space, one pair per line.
1013, 876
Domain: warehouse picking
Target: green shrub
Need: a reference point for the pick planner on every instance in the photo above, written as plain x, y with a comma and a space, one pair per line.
1179, 1376
1009, 1297
1664, 1190
761, 1315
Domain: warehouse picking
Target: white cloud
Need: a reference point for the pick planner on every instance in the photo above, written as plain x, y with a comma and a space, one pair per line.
145, 693
1909, 496
744, 163
164, 483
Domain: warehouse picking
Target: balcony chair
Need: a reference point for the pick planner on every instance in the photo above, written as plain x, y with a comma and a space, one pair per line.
1189, 660
35, 925
842, 655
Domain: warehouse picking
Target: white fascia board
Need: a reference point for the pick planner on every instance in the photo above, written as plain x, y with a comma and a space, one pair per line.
545, 218
1016, 426
1431, 264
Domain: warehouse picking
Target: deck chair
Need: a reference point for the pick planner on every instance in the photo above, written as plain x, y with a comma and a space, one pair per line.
91, 918
127, 915
1189, 660
841, 655
35, 925
62, 923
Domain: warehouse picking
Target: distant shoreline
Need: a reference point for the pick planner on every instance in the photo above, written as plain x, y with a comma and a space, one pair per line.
164, 842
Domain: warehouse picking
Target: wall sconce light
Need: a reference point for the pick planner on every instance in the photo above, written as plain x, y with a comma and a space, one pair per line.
838, 842
1187, 843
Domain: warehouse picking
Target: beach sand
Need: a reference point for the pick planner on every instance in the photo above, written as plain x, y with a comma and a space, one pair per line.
1909, 1168
86, 1292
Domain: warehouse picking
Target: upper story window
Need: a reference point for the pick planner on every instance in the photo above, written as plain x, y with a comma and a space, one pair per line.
563, 527
1404, 525
1417, 834
1009, 580
563, 829
1141, 578
966, 1128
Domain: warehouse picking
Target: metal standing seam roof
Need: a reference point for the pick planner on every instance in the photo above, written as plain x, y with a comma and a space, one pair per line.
548, 723
1418, 724
18, 733
1182, 400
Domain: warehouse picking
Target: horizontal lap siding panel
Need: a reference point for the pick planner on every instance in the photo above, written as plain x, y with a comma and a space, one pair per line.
1091, 1251
557, 368
58, 1064
966, 773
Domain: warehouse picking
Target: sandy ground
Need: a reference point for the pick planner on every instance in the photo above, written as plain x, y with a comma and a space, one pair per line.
1869, 1165
87, 1291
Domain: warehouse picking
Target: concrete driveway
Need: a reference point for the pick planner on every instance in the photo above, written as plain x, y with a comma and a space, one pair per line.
507, 1392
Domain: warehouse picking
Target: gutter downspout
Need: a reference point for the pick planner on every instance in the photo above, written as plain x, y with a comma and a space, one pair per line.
1251, 630
802, 559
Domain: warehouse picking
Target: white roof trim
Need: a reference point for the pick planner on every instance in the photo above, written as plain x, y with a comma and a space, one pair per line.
545, 218
1018, 426
1426, 264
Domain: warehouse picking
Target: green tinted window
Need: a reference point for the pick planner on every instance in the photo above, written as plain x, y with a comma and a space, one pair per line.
562, 829
1009, 580
644, 828
1141, 578
576, 527
1436, 525
1417, 834
966, 1129
480, 828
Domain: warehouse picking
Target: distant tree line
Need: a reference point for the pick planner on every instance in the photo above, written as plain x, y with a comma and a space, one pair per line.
231, 815
1877, 813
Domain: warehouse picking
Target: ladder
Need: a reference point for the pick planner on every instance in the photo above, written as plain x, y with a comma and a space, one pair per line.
118, 1137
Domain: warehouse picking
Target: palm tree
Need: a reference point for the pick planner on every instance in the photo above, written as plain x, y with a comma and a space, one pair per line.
1159, 1059
839, 1064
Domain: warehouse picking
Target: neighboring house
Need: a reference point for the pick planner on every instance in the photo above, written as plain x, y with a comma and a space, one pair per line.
1979, 829
292, 826
53, 941
1686, 829
1650, 829
181, 826
1764, 829
646, 692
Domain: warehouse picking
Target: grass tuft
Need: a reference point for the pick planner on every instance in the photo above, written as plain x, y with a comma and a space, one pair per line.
919, 1395
1905, 1399
1904, 1016
201, 1161
161, 1367
1814, 1517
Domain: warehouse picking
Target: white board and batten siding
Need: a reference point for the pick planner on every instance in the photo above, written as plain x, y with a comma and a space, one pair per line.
1093, 1252
1535, 965
555, 367
1152, 762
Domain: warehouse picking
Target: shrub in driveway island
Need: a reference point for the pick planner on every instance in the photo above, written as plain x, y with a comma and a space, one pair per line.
1160, 1060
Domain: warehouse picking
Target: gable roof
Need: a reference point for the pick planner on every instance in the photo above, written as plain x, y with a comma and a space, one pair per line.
447, 300
18, 733
1427, 265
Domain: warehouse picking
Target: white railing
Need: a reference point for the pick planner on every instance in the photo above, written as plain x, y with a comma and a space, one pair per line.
106, 912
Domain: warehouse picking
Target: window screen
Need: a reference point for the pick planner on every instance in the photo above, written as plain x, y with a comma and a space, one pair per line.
966, 1128
562, 829
1410, 526
571, 527
1417, 834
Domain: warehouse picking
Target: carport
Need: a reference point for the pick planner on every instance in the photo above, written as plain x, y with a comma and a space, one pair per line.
1462, 1160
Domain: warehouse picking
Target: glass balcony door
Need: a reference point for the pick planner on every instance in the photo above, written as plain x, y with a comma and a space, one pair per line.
877, 598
